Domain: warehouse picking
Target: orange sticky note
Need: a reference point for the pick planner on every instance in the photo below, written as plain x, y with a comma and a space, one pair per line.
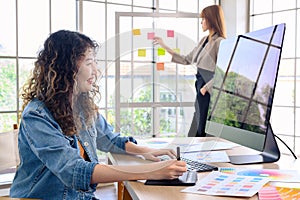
142, 52
160, 66
170, 33
150, 35
161, 52
136, 31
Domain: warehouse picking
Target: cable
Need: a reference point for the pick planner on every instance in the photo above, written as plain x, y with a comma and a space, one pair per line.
286, 146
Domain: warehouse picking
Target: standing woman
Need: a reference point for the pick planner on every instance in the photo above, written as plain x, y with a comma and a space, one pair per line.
61, 129
204, 56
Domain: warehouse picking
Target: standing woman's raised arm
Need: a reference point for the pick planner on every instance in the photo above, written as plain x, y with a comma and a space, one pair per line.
158, 40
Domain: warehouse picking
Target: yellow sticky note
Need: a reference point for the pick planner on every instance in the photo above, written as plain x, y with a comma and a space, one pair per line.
142, 52
136, 31
160, 66
177, 50
161, 51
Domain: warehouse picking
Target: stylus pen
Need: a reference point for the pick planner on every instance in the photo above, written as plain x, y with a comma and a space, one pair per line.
178, 153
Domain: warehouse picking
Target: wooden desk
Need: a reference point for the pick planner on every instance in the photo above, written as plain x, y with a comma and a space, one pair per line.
139, 191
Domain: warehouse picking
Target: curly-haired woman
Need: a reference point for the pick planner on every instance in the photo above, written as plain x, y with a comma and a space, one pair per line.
61, 128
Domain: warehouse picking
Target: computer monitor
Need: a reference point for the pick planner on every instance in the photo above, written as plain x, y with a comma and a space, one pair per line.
243, 91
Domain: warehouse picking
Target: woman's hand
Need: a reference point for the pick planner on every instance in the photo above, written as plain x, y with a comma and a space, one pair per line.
169, 169
158, 40
203, 91
148, 153
153, 153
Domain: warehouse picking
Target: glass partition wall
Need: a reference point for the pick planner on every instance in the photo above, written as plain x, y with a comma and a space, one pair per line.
153, 97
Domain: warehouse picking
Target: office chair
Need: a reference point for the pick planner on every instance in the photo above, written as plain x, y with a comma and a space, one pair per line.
9, 159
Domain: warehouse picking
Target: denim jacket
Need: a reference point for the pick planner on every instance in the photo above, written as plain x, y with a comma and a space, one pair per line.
51, 166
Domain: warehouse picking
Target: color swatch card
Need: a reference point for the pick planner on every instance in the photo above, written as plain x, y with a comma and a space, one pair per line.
278, 193
222, 184
272, 174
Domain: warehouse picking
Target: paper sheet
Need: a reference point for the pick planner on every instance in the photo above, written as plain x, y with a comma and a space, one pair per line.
6, 178
207, 156
194, 146
207, 146
222, 184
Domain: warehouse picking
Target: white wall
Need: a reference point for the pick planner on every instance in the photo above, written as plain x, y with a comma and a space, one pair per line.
236, 16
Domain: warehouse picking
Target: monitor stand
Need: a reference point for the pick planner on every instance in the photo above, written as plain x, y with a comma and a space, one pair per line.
270, 153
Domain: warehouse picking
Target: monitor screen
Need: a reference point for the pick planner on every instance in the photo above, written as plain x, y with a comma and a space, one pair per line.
244, 85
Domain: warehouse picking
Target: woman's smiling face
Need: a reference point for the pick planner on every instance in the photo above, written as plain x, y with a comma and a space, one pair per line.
87, 71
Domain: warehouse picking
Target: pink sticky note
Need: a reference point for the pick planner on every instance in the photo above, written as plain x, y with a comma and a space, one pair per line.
170, 33
151, 35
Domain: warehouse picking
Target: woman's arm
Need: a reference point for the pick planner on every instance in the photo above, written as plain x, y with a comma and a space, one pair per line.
169, 169
148, 153
109, 141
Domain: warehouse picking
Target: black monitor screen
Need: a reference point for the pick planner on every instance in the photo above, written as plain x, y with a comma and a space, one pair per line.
244, 85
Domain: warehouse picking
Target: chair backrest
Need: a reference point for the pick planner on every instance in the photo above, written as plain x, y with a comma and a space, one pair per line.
9, 153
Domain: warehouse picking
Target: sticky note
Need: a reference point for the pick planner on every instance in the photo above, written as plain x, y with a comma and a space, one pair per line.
136, 31
150, 35
141, 52
177, 50
161, 51
170, 33
160, 66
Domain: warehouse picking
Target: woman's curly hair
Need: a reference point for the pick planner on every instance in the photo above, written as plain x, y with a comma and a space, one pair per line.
54, 78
